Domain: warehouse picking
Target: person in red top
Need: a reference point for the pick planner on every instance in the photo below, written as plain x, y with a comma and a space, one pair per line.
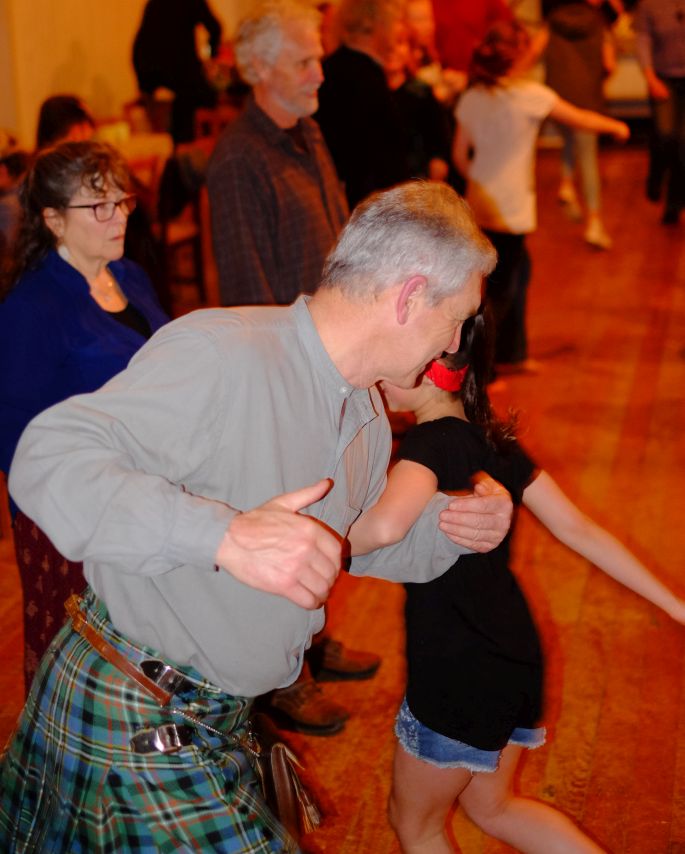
461, 24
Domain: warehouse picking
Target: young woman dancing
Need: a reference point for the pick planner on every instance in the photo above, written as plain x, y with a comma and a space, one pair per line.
474, 684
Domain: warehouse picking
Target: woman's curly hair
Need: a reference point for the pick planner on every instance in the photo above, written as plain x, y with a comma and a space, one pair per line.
504, 45
52, 180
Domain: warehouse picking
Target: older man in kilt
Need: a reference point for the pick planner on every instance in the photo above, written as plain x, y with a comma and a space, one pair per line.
204, 589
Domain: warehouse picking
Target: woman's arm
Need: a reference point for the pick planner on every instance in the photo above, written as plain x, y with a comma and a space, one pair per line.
568, 114
573, 528
410, 487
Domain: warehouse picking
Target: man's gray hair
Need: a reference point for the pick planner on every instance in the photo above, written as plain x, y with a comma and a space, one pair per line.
260, 33
365, 17
421, 228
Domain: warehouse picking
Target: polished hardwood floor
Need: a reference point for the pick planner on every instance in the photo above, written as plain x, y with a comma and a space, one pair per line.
605, 416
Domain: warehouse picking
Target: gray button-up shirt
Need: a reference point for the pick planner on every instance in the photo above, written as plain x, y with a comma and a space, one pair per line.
221, 411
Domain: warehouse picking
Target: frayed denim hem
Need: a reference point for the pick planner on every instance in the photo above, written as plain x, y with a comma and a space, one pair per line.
473, 767
441, 751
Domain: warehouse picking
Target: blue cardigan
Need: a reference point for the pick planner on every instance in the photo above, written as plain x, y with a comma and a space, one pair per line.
56, 341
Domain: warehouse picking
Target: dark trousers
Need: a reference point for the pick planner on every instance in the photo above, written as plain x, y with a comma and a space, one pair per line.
667, 147
189, 98
191, 91
506, 292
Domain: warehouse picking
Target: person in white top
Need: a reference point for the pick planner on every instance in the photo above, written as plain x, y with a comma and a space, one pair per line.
498, 120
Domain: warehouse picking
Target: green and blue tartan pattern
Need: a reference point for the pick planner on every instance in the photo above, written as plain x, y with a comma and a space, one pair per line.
69, 781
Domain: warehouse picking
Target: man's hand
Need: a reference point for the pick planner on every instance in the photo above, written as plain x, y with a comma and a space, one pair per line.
275, 549
481, 519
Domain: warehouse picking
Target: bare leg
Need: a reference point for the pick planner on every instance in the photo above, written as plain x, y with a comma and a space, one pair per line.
421, 796
588, 163
527, 825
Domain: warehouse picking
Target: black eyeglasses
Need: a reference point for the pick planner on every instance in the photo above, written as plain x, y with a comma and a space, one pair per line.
104, 211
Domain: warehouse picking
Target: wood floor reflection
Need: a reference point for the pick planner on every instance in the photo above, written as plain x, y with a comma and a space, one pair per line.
605, 416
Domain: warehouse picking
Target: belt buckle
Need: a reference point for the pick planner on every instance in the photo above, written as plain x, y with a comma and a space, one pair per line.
166, 738
163, 675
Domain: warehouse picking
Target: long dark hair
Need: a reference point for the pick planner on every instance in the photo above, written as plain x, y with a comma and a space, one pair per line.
476, 350
503, 45
52, 180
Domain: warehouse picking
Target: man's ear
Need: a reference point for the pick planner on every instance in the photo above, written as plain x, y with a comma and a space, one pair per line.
407, 297
260, 68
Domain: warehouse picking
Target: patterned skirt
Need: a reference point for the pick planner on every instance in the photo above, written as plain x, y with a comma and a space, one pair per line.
69, 781
47, 579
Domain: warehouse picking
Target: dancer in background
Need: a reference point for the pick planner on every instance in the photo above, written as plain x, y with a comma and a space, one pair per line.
579, 55
475, 669
498, 120
661, 52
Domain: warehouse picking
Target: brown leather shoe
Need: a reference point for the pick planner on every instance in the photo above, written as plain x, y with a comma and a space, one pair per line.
304, 707
331, 662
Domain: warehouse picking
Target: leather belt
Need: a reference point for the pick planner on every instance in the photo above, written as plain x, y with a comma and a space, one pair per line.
157, 678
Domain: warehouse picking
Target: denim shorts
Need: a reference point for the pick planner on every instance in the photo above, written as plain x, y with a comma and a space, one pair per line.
429, 746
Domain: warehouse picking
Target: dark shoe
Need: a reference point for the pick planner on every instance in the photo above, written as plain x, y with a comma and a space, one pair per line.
304, 708
332, 662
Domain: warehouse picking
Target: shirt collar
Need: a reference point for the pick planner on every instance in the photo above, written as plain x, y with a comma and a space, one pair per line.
276, 135
322, 362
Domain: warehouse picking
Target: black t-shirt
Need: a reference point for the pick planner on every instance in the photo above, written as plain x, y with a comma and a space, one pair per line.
473, 653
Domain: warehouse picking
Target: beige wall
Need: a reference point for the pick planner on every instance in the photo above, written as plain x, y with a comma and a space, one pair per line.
8, 106
72, 46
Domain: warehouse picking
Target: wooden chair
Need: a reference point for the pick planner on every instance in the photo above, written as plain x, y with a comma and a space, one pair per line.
174, 213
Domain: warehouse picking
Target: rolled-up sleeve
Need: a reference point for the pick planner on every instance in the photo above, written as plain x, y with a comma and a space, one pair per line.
424, 554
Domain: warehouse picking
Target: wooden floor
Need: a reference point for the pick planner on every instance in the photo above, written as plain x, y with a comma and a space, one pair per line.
606, 416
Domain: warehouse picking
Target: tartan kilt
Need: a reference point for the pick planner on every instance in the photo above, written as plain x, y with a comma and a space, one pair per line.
69, 781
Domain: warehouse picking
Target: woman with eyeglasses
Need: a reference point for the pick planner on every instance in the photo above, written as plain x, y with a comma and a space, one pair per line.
73, 313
